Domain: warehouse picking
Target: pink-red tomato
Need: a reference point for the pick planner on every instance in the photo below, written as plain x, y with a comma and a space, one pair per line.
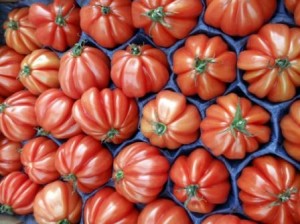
233, 127
109, 23
166, 21
238, 18
269, 190
81, 68
293, 6
107, 115
198, 179
163, 211
83, 161
19, 31
57, 203
37, 157
54, 114
140, 172
168, 121
57, 24
139, 69
271, 62
17, 193
225, 219
204, 66
17, 116
10, 64
109, 207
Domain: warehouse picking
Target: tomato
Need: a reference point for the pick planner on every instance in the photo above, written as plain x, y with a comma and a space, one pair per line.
233, 127
17, 116
19, 31
139, 70
225, 219
39, 71
108, 207
37, 157
57, 203
10, 62
293, 6
54, 114
204, 66
9, 156
163, 211
271, 62
198, 179
166, 21
107, 115
268, 190
166, 120
57, 24
140, 172
83, 161
81, 68
238, 18
17, 193
290, 125
109, 23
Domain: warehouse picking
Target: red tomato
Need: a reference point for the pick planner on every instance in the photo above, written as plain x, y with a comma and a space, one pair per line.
234, 127
54, 114
57, 24
81, 68
204, 66
290, 126
166, 21
83, 161
238, 18
167, 122
107, 115
109, 207
9, 156
17, 116
57, 203
140, 172
225, 219
198, 179
39, 71
17, 193
19, 31
139, 70
37, 157
268, 191
271, 62
163, 211
109, 23
10, 62
293, 6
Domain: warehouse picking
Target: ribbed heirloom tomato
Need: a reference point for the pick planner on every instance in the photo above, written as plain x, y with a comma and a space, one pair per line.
108, 22
19, 31
204, 66
39, 71
139, 69
10, 64
140, 172
198, 179
84, 162
271, 62
238, 18
225, 219
169, 121
293, 6
109, 207
166, 21
233, 127
37, 157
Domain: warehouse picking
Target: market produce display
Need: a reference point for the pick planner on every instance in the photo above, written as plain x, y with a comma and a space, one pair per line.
150, 112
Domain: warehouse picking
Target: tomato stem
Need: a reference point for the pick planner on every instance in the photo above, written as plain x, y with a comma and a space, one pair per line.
119, 175
191, 192
110, 135
72, 178
25, 71
201, 64
282, 63
41, 132
135, 50
159, 128
64, 221
105, 10
158, 16
6, 209
78, 48
60, 20
12, 24
3, 106
284, 196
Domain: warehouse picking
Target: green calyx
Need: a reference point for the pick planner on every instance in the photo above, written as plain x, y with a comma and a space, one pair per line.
110, 135
282, 63
64, 221
78, 48
41, 132
13, 25
158, 16
284, 196
71, 178
6, 209
60, 20
201, 64
105, 10
119, 175
159, 128
3, 106
191, 192
25, 71
135, 49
